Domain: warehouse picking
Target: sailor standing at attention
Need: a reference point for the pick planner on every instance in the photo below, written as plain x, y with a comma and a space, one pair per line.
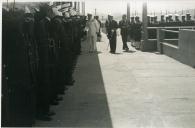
124, 24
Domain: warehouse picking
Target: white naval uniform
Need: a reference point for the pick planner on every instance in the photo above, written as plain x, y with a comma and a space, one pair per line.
92, 28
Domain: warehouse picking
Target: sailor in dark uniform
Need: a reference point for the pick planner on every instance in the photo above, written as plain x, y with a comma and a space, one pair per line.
188, 17
148, 19
124, 24
171, 22
132, 32
167, 18
155, 20
189, 21
162, 20
177, 22
137, 32
183, 20
177, 18
46, 83
111, 27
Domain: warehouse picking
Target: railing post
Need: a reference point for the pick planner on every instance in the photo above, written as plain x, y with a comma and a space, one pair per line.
144, 44
160, 38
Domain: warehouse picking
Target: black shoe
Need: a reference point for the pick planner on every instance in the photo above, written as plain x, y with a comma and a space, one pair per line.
62, 92
44, 118
51, 113
69, 83
126, 49
54, 102
59, 98
65, 88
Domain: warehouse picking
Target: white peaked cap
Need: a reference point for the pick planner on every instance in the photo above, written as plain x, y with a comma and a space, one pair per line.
67, 14
56, 12
26, 10
109, 13
73, 12
50, 3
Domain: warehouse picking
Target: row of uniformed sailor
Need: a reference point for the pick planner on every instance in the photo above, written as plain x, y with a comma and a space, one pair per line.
167, 20
135, 32
41, 59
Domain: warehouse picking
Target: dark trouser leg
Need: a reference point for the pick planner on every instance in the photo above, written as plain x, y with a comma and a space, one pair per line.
110, 42
42, 101
113, 44
124, 39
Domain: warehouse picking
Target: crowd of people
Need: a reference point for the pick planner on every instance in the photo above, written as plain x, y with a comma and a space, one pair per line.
169, 20
39, 54
129, 30
40, 49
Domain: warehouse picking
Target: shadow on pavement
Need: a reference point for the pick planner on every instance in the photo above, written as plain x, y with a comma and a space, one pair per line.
89, 96
85, 104
129, 51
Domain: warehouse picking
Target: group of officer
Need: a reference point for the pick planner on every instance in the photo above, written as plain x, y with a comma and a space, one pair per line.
168, 21
39, 55
171, 20
129, 30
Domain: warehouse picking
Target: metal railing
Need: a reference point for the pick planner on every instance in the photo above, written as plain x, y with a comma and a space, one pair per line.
172, 31
179, 27
167, 29
161, 36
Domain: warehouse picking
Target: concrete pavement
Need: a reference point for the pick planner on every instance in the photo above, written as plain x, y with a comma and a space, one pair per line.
127, 90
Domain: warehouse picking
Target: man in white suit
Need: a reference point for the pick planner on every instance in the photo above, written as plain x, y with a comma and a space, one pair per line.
92, 29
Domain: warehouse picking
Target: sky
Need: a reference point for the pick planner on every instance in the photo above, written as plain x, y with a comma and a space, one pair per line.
119, 6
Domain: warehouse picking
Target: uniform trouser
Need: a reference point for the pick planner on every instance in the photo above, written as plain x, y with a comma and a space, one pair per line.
21, 107
43, 92
52, 71
91, 39
78, 47
44, 79
112, 42
67, 57
124, 39
60, 65
138, 40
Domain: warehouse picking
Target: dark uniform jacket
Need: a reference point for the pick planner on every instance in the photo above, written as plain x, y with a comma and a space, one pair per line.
111, 25
124, 24
138, 30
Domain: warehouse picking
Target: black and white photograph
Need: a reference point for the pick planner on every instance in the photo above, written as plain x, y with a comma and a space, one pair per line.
97, 63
